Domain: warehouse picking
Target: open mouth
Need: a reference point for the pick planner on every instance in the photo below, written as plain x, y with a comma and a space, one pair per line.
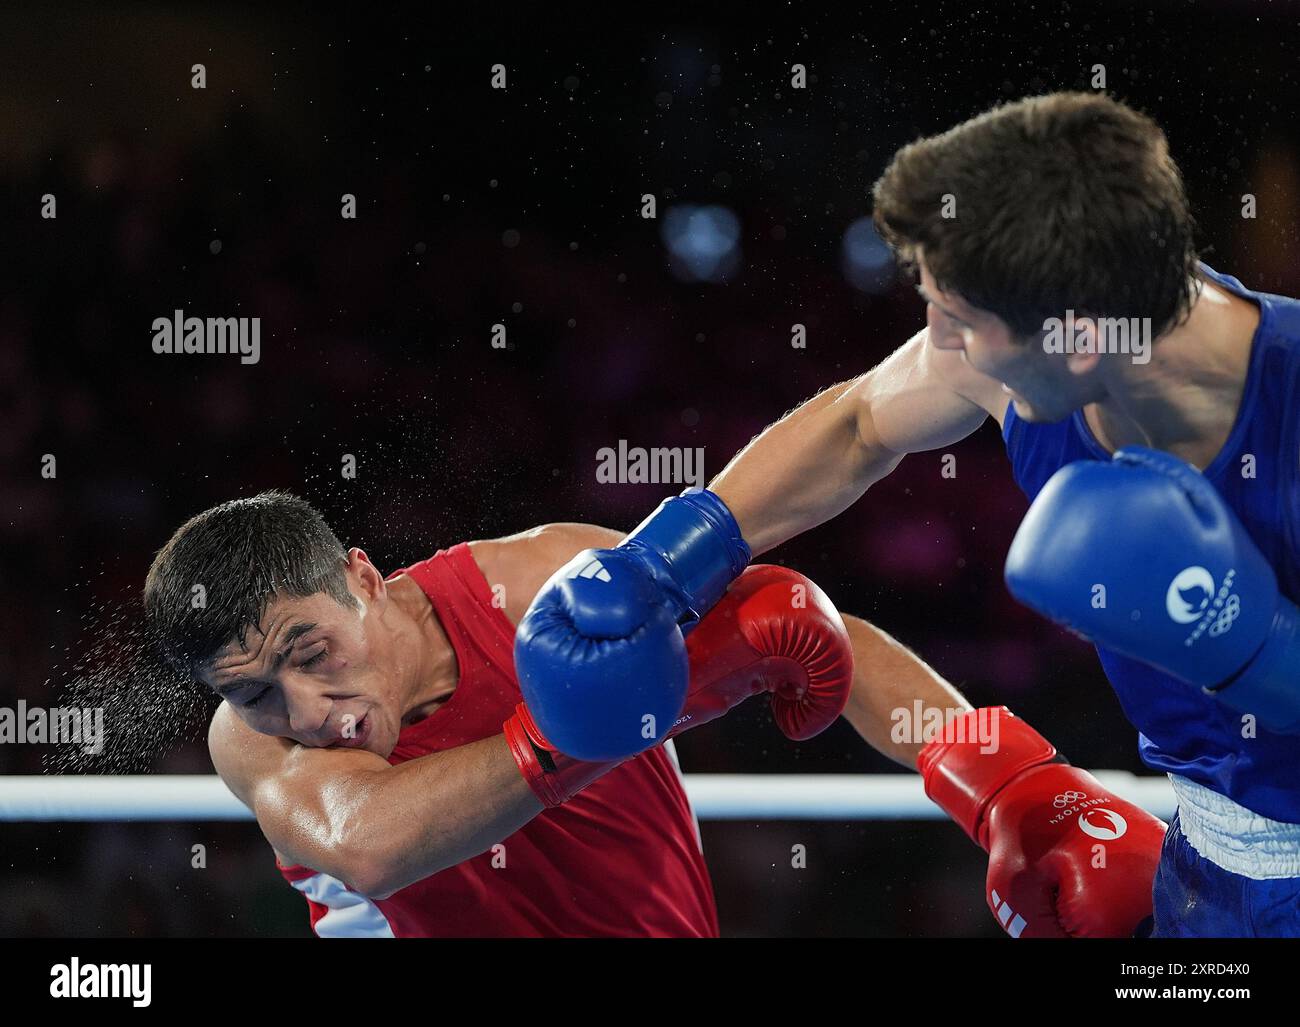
361, 732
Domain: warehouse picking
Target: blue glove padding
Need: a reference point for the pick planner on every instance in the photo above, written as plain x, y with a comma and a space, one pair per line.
600, 654
1185, 588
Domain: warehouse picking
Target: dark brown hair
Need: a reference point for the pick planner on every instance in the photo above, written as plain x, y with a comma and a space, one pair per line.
1069, 200
243, 553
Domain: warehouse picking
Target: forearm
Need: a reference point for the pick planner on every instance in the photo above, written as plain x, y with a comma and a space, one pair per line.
389, 828
803, 470
888, 680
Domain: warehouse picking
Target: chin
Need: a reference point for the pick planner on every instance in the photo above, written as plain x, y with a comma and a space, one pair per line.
381, 744
1037, 415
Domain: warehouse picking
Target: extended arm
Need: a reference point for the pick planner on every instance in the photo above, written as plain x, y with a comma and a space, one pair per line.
888, 680
657, 583
1007, 786
821, 457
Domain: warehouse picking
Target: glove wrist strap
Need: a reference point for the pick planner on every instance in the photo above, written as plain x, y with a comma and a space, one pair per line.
975, 758
693, 548
554, 777
1266, 688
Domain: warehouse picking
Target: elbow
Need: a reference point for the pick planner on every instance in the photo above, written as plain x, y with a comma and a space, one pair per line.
377, 873
378, 890
364, 854
370, 875
362, 860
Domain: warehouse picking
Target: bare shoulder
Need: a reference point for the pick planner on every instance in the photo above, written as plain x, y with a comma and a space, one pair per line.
517, 566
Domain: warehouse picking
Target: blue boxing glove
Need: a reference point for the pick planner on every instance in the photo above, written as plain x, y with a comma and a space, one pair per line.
1141, 555
601, 653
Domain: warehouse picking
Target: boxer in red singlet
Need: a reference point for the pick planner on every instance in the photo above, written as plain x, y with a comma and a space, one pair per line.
374, 726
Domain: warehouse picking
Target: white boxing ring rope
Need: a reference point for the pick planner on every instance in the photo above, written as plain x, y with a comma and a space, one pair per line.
199, 797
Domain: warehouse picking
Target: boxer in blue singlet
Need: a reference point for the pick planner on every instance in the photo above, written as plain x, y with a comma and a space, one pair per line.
1061, 209
1231, 861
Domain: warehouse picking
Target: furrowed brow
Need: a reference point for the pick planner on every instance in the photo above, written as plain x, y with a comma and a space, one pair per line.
291, 636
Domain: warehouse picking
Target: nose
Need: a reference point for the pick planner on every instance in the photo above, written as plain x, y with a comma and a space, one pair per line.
941, 331
307, 711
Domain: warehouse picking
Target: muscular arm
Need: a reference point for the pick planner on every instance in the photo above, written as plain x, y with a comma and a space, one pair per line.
378, 828
820, 458
887, 676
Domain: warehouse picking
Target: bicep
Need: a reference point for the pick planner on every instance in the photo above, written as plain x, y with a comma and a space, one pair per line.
921, 398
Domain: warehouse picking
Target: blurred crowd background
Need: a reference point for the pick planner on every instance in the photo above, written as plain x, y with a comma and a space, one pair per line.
521, 207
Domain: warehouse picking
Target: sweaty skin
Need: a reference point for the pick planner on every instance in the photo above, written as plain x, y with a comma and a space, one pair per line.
333, 802
315, 704
964, 367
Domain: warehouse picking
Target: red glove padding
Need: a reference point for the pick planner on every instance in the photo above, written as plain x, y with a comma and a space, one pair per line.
1067, 858
773, 631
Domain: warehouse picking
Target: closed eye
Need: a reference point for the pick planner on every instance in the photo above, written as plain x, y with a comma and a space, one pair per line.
920, 289
258, 698
315, 659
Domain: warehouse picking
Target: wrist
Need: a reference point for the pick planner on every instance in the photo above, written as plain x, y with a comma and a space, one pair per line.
693, 548
553, 777
1266, 688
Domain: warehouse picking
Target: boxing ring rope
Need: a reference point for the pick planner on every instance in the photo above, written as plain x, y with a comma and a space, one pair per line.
201, 797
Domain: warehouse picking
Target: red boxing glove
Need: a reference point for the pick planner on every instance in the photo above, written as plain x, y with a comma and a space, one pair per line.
1067, 858
773, 631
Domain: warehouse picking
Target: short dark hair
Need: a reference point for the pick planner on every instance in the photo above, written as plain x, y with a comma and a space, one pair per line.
1068, 200
243, 553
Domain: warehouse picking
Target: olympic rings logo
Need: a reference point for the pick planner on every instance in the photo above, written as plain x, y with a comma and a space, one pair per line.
1229, 613
1068, 799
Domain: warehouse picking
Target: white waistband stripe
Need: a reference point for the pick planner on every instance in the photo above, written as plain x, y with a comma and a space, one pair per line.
348, 914
1233, 837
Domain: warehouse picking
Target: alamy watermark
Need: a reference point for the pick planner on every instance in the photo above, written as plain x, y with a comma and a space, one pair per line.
921, 724
662, 465
181, 334
58, 725
1129, 335
75, 979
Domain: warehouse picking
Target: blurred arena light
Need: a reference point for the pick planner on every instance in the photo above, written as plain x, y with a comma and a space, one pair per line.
703, 242
868, 264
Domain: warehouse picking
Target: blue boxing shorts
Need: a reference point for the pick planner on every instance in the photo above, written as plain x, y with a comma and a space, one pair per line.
1226, 872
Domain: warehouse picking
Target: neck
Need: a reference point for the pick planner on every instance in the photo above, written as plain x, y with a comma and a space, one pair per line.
1185, 400
426, 664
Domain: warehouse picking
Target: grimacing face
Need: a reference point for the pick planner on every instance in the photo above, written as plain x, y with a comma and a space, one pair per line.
311, 672
1043, 386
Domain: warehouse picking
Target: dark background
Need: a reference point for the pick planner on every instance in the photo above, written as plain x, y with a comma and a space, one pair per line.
521, 207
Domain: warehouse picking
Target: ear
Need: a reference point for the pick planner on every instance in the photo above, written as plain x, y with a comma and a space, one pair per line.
1086, 350
365, 577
